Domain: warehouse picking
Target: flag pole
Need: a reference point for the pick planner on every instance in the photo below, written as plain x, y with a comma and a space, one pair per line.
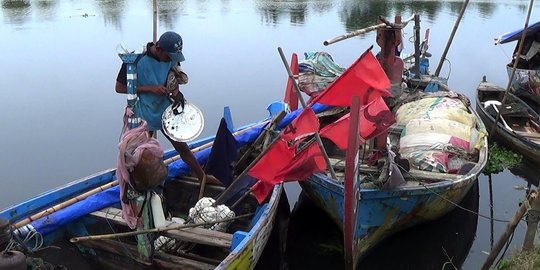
301, 98
277, 119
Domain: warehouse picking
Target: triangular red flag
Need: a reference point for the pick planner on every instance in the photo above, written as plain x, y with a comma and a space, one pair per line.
305, 124
309, 161
365, 78
375, 118
261, 190
275, 164
278, 155
281, 152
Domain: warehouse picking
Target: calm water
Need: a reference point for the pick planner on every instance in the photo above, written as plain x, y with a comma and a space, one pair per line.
61, 118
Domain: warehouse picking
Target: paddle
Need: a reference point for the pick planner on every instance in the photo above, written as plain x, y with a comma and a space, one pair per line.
154, 230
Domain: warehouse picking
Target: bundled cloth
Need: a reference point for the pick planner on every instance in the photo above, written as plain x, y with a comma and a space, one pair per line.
439, 133
140, 164
317, 71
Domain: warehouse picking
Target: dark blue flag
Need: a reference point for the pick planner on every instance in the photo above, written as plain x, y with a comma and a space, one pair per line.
223, 154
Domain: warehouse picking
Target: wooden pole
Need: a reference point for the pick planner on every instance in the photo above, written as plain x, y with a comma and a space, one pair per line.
510, 227
154, 23
351, 177
363, 31
65, 204
443, 57
154, 230
532, 224
520, 48
301, 98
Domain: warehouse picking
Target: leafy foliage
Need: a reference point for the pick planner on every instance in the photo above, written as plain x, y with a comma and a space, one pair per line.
501, 158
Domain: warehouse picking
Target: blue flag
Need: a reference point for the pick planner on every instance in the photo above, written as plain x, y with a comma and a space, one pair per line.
223, 154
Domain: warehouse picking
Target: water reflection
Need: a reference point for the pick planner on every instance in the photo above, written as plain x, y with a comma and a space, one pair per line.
112, 12
353, 14
46, 9
16, 12
441, 244
168, 11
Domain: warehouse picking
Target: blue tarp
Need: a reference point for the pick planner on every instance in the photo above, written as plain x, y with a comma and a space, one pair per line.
111, 196
532, 30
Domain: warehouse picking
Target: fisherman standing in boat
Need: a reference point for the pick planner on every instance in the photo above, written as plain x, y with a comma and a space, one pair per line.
156, 93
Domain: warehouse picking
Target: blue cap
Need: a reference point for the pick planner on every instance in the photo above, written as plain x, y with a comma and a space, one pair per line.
172, 43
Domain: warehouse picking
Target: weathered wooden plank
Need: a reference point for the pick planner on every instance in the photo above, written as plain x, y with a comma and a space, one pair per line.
161, 259
194, 235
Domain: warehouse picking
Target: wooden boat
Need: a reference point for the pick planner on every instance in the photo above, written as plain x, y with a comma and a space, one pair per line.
526, 81
519, 124
90, 206
361, 198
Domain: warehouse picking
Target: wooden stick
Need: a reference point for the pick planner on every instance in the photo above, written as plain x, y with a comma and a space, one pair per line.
154, 230
259, 139
317, 136
532, 225
363, 31
64, 204
154, 24
510, 227
443, 56
203, 183
111, 184
521, 41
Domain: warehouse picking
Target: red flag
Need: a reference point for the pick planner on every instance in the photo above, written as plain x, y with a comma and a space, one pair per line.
281, 152
309, 161
261, 190
281, 160
305, 124
291, 97
364, 78
304, 164
374, 119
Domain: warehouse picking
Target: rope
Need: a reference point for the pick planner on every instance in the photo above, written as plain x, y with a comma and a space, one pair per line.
455, 204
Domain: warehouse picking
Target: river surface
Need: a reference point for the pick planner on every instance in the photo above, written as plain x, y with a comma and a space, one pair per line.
61, 118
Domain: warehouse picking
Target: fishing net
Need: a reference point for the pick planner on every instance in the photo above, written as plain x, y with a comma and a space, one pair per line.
205, 211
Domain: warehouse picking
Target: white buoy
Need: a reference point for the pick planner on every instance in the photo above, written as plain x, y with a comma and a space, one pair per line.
157, 211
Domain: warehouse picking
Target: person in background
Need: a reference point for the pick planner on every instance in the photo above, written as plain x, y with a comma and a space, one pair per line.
153, 71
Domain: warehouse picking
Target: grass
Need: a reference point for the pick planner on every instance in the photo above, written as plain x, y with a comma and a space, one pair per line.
522, 260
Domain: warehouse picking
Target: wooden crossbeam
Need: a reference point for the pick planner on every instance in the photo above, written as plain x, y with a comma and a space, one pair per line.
194, 235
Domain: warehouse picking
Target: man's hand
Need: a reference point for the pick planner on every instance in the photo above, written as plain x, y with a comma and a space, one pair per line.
178, 100
159, 90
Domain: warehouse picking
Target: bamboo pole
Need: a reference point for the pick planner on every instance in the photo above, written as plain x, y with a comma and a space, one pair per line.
154, 23
532, 224
154, 230
111, 184
65, 204
518, 53
510, 227
301, 98
365, 30
443, 56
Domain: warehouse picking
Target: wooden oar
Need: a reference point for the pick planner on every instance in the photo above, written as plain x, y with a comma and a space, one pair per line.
89, 193
154, 230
